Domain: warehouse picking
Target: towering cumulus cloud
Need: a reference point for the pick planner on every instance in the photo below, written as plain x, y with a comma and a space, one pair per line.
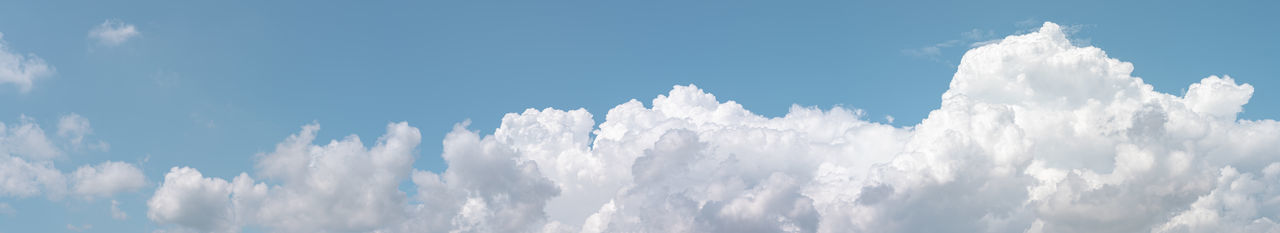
1034, 135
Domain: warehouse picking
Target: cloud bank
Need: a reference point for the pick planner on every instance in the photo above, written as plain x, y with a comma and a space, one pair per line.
1034, 135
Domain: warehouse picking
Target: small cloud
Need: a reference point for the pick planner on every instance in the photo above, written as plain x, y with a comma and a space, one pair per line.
19, 69
74, 127
978, 34
7, 210
165, 79
974, 38
113, 32
116, 213
79, 228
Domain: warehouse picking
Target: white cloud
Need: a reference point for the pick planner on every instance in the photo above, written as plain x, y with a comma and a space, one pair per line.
484, 190
1239, 203
24, 167
21, 70
74, 127
7, 210
116, 213
22, 178
106, 179
113, 32
28, 140
1035, 134
189, 199
27, 167
341, 186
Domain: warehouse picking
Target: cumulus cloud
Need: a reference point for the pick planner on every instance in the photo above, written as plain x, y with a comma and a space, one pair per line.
1036, 134
19, 69
106, 179
189, 199
113, 32
24, 167
338, 187
28, 140
27, 168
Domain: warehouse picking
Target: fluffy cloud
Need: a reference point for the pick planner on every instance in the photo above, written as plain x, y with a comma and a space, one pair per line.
113, 32
24, 167
27, 169
27, 139
1034, 135
106, 178
22, 178
21, 70
338, 187
188, 198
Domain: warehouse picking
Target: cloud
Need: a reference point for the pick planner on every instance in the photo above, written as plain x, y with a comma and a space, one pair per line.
74, 128
1036, 134
116, 213
106, 179
22, 178
24, 169
7, 210
189, 199
27, 168
27, 139
338, 187
484, 190
80, 228
971, 38
21, 70
113, 32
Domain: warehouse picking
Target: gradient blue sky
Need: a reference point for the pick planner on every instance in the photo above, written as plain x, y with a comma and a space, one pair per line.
211, 83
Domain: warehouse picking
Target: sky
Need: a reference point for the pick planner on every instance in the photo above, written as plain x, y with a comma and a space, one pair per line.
118, 115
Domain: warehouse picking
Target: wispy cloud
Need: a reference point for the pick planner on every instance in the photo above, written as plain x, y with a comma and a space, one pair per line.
113, 32
968, 39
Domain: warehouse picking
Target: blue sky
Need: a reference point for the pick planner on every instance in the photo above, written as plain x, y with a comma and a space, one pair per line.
210, 84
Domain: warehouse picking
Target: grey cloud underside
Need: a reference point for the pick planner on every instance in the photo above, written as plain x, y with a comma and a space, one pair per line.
1034, 135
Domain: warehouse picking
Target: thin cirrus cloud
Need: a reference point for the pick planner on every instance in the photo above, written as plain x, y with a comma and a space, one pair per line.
113, 32
1034, 135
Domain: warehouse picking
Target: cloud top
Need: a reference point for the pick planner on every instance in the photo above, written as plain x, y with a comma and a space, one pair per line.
1035, 135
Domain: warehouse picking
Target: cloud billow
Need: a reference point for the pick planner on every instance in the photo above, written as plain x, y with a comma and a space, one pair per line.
1034, 135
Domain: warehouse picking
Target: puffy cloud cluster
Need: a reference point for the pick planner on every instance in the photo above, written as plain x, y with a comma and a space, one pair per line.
1034, 135
27, 168
338, 187
21, 70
